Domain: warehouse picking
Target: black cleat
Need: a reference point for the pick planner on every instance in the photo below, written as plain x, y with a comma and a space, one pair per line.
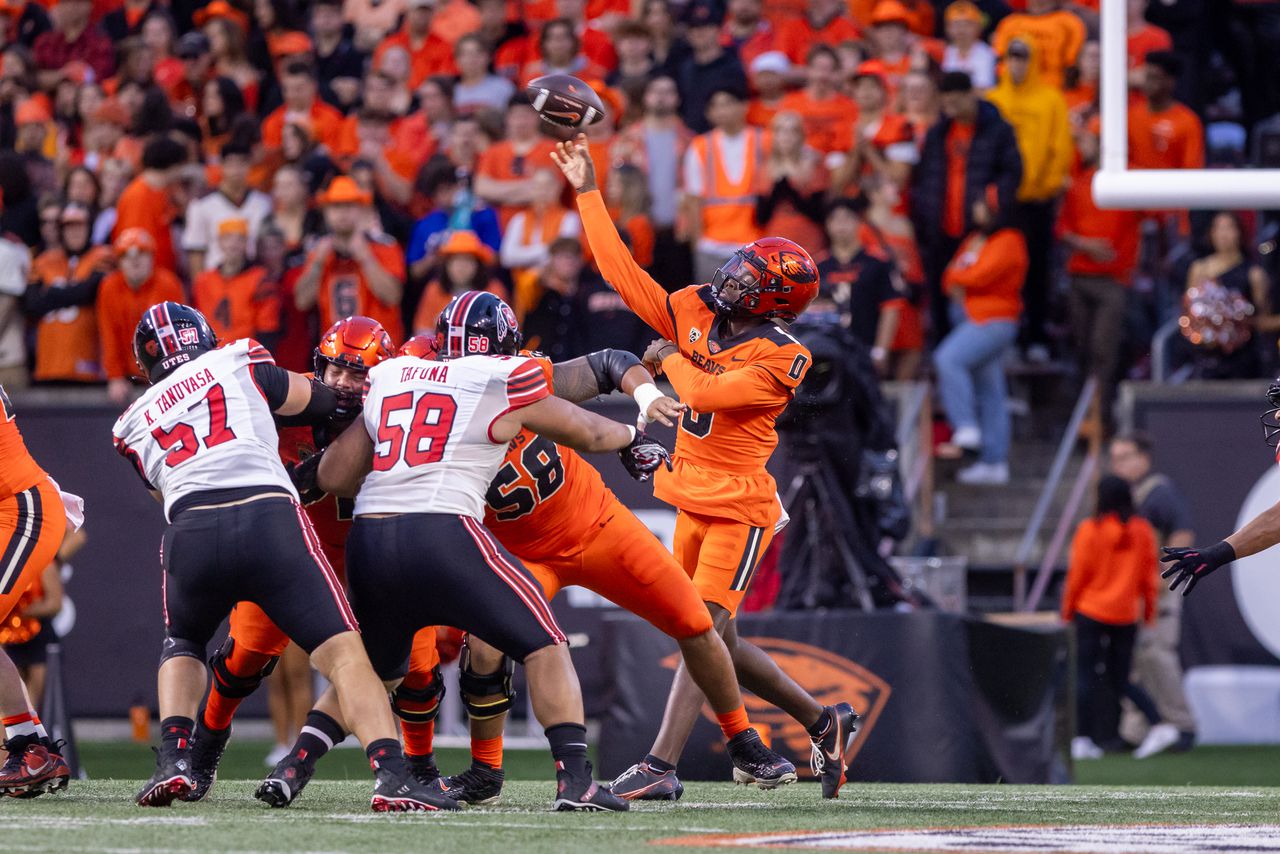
398, 791
581, 793
423, 768
755, 764
206, 752
642, 783
826, 757
480, 785
285, 782
172, 780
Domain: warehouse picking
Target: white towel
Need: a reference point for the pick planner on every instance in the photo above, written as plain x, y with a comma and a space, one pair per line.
73, 505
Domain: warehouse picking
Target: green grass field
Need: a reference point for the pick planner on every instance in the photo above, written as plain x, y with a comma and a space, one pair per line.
332, 816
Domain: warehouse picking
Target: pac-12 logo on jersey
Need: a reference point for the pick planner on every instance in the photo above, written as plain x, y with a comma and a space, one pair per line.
694, 335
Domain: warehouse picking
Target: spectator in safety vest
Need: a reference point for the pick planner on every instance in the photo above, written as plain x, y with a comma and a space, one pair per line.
721, 176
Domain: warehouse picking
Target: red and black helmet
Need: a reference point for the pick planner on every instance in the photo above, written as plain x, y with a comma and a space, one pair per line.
170, 334
777, 278
419, 346
356, 342
477, 323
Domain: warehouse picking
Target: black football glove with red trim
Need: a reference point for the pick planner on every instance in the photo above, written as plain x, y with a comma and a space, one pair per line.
304, 474
643, 456
1188, 566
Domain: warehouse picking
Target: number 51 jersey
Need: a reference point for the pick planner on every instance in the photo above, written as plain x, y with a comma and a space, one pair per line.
206, 426
430, 423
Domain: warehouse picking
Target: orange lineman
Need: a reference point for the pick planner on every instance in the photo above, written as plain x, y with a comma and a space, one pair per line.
32, 523
552, 510
727, 354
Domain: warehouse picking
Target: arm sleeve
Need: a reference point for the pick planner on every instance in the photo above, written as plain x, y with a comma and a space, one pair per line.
39, 300
757, 385
638, 290
273, 380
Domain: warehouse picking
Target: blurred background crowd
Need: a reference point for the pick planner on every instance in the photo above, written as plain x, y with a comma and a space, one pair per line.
283, 164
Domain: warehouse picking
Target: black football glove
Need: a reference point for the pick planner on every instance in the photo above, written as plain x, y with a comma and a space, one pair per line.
643, 456
304, 474
1190, 565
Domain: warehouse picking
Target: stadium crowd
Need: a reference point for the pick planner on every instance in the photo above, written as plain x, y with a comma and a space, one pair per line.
281, 165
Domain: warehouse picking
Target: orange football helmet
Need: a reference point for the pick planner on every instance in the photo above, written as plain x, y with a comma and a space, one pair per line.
357, 342
421, 346
775, 277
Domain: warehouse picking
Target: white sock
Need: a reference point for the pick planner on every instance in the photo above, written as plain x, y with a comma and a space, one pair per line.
24, 726
40, 730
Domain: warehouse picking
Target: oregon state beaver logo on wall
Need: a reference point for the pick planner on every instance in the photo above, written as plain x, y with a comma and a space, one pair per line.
830, 678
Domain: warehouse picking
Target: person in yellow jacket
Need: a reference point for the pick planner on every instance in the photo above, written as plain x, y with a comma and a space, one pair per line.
1038, 113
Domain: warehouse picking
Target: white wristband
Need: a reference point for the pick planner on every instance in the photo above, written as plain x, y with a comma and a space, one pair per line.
645, 394
632, 437
878, 353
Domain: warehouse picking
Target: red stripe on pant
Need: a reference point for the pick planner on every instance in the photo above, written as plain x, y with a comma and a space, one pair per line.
330, 577
523, 588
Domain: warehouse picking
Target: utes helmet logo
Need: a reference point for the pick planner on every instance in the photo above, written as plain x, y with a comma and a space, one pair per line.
694, 335
506, 321
796, 268
188, 336
830, 678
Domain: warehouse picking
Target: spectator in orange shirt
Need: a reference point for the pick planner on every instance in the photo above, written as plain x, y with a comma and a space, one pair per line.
883, 142
984, 281
896, 49
1056, 33
227, 29
394, 168
768, 74
1143, 38
302, 103
1103, 247
527, 237
351, 271
236, 297
428, 53
1163, 134
124, 295
465, 264
596, 44
145, 202
629, 205
828, 115
1082, 86
824, 22
63, 289
1111, 586
560, 52
919, 104
504, 175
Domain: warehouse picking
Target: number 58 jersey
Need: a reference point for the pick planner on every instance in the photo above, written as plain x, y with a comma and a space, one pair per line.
431, 424
207, 426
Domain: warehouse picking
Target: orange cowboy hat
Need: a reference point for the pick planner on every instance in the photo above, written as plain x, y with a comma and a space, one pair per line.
965, 10
133, 240
289, 43
234, 225
344, 191
221, 9
889, 12
467, 242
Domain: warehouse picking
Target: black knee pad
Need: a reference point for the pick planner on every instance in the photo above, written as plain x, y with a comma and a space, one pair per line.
422, 705
476, 685
229, 684
179, 648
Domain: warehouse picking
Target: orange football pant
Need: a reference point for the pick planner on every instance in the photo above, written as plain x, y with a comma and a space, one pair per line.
32, 524
720, 555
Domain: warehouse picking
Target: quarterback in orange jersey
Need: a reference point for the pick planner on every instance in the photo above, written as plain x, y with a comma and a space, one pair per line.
727, 353
254, 645
552, 510
33, 520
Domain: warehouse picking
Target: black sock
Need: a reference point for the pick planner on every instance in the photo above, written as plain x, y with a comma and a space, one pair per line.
320, 733
385, 754
819, 729
662, 766
569, 747
176, 732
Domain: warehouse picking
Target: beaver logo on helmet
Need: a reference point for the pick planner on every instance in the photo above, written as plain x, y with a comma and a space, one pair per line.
771, 278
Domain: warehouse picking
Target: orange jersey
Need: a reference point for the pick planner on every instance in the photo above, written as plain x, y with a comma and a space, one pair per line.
345, 293
735, 387
67, 339
545, 500
119, 307
18, 471
242, 306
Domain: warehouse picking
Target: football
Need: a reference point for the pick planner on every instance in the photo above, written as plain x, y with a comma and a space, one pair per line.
565, 101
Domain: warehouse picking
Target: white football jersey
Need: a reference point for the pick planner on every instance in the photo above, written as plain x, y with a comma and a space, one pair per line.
205, 426
430, 423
